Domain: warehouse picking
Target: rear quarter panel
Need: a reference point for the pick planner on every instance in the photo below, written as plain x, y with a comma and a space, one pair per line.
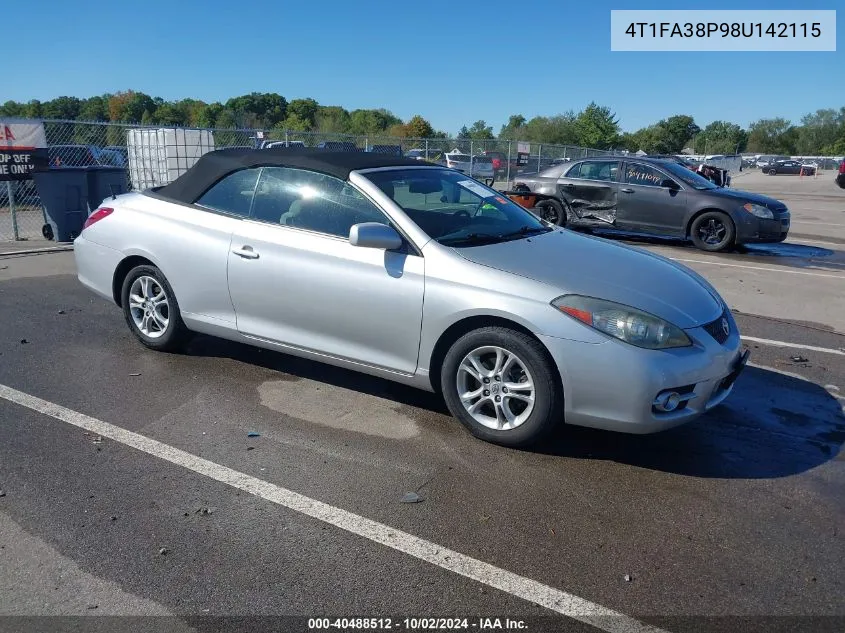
190, 246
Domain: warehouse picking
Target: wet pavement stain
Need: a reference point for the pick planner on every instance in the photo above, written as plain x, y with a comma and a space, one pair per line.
338, 408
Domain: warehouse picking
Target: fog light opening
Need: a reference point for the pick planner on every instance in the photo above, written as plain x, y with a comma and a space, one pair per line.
668, 401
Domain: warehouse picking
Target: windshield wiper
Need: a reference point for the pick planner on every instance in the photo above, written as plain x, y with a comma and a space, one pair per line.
526, 230
471, 238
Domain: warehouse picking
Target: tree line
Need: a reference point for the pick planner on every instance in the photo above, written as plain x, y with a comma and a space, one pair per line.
818, 133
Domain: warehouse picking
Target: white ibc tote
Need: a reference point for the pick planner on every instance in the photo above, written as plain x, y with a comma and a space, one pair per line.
159, 156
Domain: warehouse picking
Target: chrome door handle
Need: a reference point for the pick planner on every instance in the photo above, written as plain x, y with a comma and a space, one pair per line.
626, 190
246, 252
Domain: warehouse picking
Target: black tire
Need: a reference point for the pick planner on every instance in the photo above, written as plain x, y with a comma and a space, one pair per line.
773, 172
547, 409
175, 335
552, 211
711, 225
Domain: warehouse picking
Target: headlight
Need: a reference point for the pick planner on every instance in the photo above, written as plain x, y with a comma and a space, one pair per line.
759, 211
623, 322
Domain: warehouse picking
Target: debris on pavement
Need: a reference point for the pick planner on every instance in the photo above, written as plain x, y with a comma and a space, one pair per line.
250, 448
798, 359
253, 434
97, 440
628, 578
135, 374
2, 493
24, 341
61, 312
163, 551
205, 510
114, 518
411, 497
93, 606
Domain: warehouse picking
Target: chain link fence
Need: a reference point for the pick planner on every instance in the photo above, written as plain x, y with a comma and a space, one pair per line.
155, 155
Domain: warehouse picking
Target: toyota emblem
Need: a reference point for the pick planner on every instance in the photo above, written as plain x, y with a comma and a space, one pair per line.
726, 327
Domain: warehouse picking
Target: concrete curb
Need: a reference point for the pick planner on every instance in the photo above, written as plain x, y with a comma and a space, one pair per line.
38, 251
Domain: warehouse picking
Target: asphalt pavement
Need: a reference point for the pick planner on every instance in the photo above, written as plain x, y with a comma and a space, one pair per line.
231, 481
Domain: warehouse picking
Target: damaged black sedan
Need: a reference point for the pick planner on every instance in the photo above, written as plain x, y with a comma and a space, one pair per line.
655, 197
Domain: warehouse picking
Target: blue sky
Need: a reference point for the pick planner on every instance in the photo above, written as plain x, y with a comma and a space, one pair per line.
453, 62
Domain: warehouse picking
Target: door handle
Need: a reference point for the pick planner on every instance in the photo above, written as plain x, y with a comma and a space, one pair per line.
568, 185
626, 190
246, 252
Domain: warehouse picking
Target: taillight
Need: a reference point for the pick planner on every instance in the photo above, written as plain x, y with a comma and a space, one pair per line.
842, 167
99, 214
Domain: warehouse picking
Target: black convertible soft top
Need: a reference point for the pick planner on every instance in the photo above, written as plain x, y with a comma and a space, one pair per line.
213, 166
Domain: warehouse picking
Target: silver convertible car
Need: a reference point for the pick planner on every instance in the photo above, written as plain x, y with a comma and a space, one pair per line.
419, 274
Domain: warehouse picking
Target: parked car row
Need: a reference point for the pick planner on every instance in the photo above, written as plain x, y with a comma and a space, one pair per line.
443, 283
657, 197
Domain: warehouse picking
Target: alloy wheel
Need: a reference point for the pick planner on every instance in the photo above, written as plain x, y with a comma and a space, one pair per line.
149, 306
495, 387
712, 231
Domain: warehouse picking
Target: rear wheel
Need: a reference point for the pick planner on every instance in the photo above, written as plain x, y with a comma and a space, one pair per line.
151, 310
552, 211
773, 172
500, 384
713, 231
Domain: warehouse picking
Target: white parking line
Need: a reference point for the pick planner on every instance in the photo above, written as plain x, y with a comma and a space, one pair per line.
812, 348
531, 590
765, 268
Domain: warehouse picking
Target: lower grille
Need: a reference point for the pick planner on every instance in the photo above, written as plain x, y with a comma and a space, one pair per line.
720, 329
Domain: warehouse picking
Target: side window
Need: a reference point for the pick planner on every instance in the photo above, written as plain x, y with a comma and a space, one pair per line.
312, 201
574, 172
599, 170
233, 194
638, 174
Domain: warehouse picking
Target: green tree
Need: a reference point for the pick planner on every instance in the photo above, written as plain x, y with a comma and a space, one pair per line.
559, 129
207, 116
597, 127
33, 109
463, 133
65, 108
12, 108
259, 109
295, 123
332, 119
94, 109
129, 106
819, 129
167, 114
480, 131
418, 127
303, 110
772, 136
371, 121
513, 129
722, 137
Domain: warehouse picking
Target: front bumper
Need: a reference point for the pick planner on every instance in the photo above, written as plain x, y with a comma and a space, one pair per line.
755, 229
613, 385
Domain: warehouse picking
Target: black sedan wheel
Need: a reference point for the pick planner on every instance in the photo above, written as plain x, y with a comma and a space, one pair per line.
773, 172
713, 231
552, 211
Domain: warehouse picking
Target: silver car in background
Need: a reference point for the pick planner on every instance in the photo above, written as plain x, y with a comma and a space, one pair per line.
421, 275
479, 167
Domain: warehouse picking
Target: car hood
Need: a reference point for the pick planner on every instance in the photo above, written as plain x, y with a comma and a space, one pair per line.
596, 267
748, 196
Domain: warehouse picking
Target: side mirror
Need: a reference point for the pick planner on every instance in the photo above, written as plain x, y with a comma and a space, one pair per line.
374, 235
669, 184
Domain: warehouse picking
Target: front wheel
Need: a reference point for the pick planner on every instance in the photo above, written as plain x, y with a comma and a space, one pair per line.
552, 211
501, 385
773, 172
151, 310
713, 231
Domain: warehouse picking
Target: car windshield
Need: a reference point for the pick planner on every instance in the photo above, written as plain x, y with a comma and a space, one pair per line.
455, 210
458, 158
688, 177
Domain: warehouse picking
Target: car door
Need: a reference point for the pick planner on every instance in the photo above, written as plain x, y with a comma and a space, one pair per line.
591, 189
650, 200
296, 280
